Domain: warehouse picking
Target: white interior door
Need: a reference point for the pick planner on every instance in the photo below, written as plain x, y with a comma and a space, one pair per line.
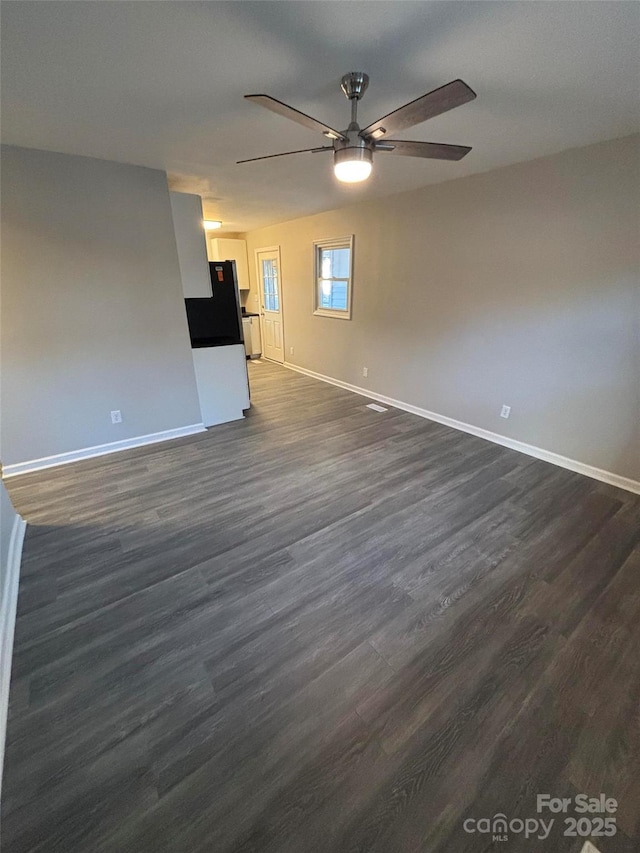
269, 281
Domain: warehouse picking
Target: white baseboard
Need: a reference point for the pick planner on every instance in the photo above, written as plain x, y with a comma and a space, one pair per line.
7, 624
99, 450
538, 452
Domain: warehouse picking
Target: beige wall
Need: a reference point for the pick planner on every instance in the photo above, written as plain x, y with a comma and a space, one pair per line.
92, 310
517, 286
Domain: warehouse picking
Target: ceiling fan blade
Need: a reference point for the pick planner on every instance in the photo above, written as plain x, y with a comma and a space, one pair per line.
285, 110
434, 103
286, 153
430, 150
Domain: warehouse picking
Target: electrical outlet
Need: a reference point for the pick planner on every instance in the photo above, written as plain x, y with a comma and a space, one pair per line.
116, 417
505, 411
290, 350
365, 371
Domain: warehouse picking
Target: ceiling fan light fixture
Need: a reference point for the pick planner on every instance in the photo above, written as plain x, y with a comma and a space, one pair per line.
353, 147
352, 165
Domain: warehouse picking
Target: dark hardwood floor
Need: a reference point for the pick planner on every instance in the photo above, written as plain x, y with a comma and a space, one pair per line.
320, 630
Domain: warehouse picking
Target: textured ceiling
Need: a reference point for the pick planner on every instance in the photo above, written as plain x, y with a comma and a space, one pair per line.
160, 84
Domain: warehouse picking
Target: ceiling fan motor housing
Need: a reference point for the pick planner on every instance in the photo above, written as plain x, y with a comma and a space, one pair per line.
354, 84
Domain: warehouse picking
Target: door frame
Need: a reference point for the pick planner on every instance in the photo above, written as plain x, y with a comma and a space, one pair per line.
260, 294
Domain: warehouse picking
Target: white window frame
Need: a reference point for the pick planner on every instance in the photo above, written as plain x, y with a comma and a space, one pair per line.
318, 246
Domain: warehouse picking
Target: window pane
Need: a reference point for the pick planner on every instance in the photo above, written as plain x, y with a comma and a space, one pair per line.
334, 263
333, 294
270, 285
339, 295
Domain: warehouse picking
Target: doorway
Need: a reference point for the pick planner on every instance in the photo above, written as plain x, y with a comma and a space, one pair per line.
270, 285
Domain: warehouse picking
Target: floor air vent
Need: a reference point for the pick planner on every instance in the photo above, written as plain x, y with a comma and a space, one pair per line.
376, 407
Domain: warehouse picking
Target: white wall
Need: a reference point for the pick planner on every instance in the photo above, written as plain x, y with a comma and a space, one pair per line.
7, 517
517, 286
191, 244
93, 316
12, 530
11, 538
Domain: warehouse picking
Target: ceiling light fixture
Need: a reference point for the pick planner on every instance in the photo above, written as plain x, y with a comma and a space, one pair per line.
353, 148
352, 164
353, 154
211, 224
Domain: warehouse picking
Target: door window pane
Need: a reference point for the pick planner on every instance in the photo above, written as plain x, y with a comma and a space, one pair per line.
270, 285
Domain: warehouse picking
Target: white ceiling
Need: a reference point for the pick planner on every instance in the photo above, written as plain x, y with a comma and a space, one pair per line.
160, 84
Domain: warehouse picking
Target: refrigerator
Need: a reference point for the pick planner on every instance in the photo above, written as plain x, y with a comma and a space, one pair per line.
219, 362
216, 320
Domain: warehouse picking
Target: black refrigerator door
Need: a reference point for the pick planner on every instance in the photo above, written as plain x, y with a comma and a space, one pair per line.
216, 321
226, 301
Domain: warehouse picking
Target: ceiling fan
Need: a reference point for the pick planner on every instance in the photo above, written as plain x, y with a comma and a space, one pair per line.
353, 148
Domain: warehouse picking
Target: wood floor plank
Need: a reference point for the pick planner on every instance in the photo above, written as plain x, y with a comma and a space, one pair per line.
321, 629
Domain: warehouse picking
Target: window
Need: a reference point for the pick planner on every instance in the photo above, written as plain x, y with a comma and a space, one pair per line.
270, 285
333, 274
